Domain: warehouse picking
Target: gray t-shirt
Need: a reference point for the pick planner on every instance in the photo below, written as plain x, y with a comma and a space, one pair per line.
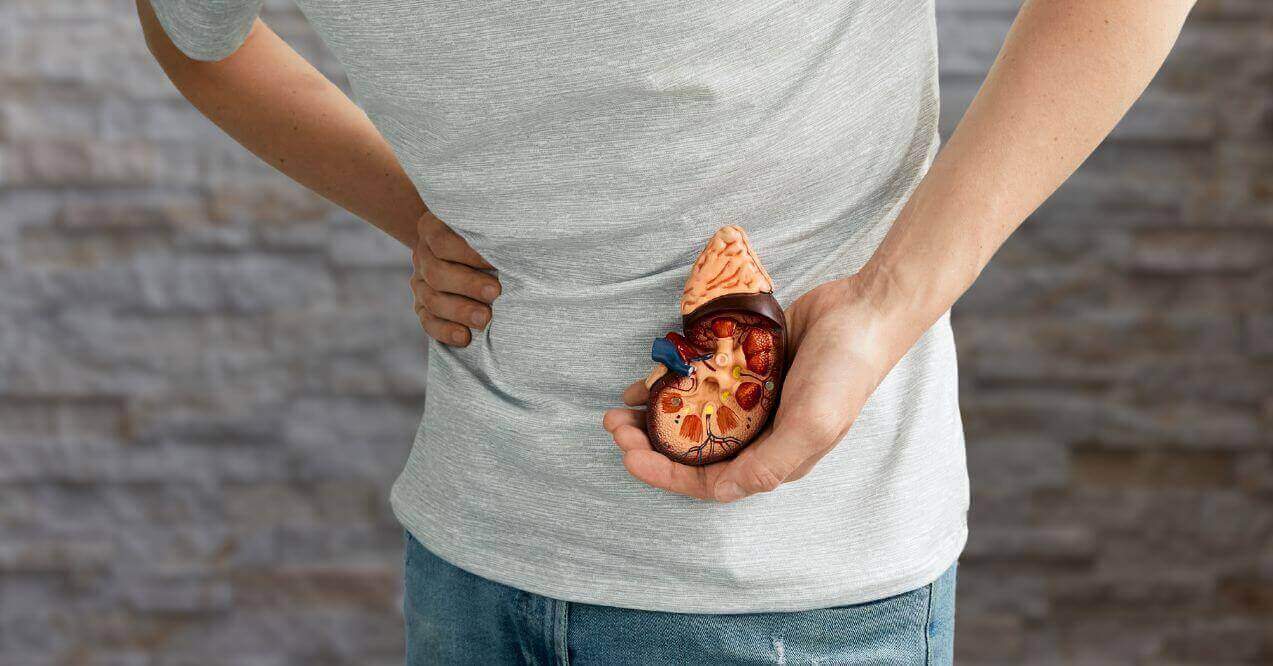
588, 150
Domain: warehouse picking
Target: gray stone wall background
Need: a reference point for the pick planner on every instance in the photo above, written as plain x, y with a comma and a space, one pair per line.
208, 376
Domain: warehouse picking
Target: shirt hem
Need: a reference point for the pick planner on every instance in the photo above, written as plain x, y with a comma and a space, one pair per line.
823, 594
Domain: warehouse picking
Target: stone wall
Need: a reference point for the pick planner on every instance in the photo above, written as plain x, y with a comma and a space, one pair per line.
208, 377
1117, 374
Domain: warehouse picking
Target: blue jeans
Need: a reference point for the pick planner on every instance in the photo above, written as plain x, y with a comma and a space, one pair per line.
455, 617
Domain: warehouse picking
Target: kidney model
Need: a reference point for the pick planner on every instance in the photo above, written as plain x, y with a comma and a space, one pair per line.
717, 382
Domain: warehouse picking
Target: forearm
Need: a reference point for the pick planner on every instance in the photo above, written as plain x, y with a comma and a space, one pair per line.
273, 102
1066, 74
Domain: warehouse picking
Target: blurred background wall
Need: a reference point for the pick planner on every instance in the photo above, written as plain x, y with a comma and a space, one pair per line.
209, 377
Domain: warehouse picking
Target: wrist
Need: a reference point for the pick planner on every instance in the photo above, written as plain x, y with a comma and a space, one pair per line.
892, 314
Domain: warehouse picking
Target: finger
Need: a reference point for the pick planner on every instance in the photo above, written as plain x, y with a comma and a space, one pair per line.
443, 331
636, 394
656, 373
450, 307
446, 244
613, 418
655, 469
631, 438
763, 466
452, 278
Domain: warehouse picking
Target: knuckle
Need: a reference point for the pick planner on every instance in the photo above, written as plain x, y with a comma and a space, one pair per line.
444, 245
432, 301
761, 477
432, 273
422, 253
417, 288
435, 238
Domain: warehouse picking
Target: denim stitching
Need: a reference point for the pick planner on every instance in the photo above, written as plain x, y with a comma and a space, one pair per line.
563, 621
928, 619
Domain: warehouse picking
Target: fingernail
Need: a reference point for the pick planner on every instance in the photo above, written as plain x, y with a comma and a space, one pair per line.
458, 337
478, 318
728, 491
490, 292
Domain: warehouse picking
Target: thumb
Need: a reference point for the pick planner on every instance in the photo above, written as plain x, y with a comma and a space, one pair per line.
762, 466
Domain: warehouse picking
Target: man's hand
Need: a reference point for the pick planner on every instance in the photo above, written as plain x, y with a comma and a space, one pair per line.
836, 360
450, 290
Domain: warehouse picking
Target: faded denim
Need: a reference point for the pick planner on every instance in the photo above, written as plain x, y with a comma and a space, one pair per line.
455, 617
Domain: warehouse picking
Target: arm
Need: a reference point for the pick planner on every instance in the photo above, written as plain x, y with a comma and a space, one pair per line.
1067, 72
273, 102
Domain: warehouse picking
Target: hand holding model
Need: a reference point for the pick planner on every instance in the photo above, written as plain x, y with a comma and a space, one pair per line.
706, 429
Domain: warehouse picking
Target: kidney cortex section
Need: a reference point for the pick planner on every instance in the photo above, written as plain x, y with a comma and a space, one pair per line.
719, 408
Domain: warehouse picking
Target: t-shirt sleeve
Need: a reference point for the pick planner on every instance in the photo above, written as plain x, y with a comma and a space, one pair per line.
207, 29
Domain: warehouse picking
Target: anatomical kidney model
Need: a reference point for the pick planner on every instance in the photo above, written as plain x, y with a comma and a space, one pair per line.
717, 384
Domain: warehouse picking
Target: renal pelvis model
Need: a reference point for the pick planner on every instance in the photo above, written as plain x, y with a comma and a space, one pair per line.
717, 383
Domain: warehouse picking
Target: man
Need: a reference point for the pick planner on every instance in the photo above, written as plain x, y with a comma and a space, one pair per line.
573, 158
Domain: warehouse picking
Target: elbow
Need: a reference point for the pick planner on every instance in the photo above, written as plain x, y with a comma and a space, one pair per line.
161, 48
164, 56
151, 31
175, 60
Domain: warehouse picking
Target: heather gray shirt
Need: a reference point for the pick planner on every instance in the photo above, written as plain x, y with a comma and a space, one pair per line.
588, 150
